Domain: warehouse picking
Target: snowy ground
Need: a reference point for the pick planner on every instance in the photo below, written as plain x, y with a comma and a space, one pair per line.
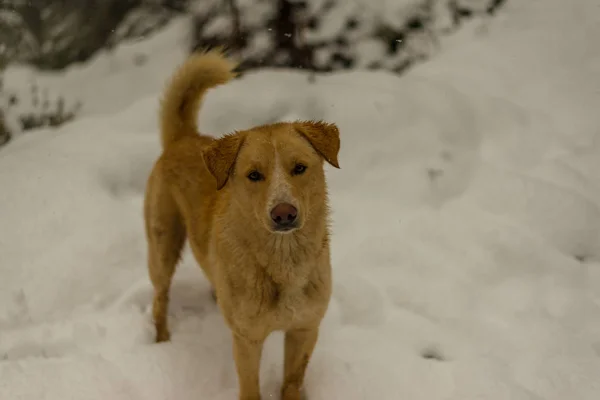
466, 244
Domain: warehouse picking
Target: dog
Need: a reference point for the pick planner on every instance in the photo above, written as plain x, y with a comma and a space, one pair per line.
253, 205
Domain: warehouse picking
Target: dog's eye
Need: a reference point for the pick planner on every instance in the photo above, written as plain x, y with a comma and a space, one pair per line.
299, 169
255, 176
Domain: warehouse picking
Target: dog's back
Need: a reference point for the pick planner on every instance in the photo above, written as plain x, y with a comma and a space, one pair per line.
181, 174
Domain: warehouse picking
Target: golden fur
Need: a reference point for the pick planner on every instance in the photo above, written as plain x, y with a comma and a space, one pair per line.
264, 279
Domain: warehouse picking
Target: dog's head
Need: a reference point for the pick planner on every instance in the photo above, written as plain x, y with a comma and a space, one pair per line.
275, 172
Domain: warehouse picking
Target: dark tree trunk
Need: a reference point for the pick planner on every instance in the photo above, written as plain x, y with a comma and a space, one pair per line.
288, 34
237, 41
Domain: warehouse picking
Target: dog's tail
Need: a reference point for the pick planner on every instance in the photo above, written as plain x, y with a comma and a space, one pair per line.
183, 95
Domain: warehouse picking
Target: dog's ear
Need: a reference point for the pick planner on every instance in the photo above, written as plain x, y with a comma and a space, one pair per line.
324, 138
220, 157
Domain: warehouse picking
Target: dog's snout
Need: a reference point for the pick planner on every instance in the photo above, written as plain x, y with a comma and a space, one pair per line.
284, 214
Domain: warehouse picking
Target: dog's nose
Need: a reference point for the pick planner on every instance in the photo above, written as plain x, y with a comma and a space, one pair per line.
284, 214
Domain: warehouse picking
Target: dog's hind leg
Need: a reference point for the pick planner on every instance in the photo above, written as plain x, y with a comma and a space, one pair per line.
166, 235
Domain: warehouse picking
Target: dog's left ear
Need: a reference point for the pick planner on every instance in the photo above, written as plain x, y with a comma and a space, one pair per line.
220, 157
323, 136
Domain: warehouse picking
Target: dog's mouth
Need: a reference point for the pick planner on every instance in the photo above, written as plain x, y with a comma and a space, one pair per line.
288, 228
282, 228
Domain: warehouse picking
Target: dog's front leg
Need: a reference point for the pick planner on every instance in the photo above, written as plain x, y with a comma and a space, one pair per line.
247, 354
299, 345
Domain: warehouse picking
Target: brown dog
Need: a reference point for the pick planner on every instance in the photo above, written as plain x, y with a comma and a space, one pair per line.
253, 205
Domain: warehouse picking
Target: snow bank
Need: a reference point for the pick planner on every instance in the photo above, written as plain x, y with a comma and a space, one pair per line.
113, 80
466, 230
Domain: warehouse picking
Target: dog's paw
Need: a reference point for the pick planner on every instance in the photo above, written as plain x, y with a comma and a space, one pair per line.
162, 335
250, 397
291, 393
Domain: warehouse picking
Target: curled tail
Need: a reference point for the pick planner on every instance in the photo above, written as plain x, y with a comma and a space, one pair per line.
183, 95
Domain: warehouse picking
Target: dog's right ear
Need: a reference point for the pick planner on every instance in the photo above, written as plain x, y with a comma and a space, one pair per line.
220, 157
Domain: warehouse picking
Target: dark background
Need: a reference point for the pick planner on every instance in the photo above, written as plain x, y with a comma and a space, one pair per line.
315, 35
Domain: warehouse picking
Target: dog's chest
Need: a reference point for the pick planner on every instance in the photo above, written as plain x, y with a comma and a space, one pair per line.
289, 307
267, 292
284, 305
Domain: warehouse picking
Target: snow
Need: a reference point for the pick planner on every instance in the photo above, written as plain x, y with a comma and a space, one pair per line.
260, 43
10, 17
332, 22
109, 73
466, 245
368, 50
218, 25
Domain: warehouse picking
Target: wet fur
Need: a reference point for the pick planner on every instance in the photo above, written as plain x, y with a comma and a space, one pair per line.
198, 190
